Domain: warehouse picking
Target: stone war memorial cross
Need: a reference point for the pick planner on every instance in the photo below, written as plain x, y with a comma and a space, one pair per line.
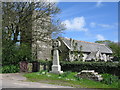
56, 68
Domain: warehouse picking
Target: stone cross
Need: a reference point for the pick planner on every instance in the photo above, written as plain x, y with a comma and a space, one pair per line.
56, 44
56, 68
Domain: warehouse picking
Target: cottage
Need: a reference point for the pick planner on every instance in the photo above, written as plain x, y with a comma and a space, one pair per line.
72, 50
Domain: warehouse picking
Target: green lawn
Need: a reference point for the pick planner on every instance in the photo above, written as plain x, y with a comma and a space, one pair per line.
66, 79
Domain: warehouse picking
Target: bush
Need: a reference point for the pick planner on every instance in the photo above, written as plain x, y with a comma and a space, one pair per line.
10, 69
110, 80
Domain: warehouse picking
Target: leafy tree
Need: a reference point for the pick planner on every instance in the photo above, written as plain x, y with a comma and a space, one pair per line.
14, 53
116, 50
26, 22
114, 46
22, 18
104, 42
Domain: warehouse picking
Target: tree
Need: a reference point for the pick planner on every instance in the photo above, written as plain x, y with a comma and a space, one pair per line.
13, 53
114, 46
104, 42
116, 50
24, 22
19, 18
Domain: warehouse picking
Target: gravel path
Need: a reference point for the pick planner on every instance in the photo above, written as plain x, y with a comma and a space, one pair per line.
16, 80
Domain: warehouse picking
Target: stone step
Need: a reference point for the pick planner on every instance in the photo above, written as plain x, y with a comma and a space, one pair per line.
92, 71
95, 73
91, 74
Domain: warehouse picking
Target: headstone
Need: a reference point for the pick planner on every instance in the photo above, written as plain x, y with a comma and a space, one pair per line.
56, 68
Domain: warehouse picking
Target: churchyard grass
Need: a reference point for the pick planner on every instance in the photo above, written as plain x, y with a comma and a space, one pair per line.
65, 79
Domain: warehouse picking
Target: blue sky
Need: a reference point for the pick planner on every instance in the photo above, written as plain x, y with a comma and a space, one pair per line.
90, 21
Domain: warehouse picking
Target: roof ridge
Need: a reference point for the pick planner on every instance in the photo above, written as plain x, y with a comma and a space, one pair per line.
84, 41
89, 42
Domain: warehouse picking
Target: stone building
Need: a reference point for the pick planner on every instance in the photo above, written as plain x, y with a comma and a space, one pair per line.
41, 42
71, 50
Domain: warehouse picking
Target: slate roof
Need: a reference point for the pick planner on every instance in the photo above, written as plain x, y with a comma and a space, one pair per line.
86, 46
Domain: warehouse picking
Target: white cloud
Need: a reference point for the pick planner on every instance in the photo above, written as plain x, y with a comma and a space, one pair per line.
100, 37
77, 24
105, 25
92, 24
99, 3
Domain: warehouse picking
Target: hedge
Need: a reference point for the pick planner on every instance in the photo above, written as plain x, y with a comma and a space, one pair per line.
77, 66
101, 67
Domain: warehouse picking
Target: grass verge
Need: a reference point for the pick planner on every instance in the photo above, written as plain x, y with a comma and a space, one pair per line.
65, 79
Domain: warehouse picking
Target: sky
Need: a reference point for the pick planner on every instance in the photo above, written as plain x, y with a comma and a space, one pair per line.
89, 21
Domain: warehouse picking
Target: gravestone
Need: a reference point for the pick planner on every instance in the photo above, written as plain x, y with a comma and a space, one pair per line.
56, 68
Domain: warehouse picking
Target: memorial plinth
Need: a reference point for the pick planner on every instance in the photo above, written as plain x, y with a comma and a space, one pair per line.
56, 68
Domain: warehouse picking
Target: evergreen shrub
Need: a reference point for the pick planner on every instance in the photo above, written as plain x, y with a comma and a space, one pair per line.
10, 69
